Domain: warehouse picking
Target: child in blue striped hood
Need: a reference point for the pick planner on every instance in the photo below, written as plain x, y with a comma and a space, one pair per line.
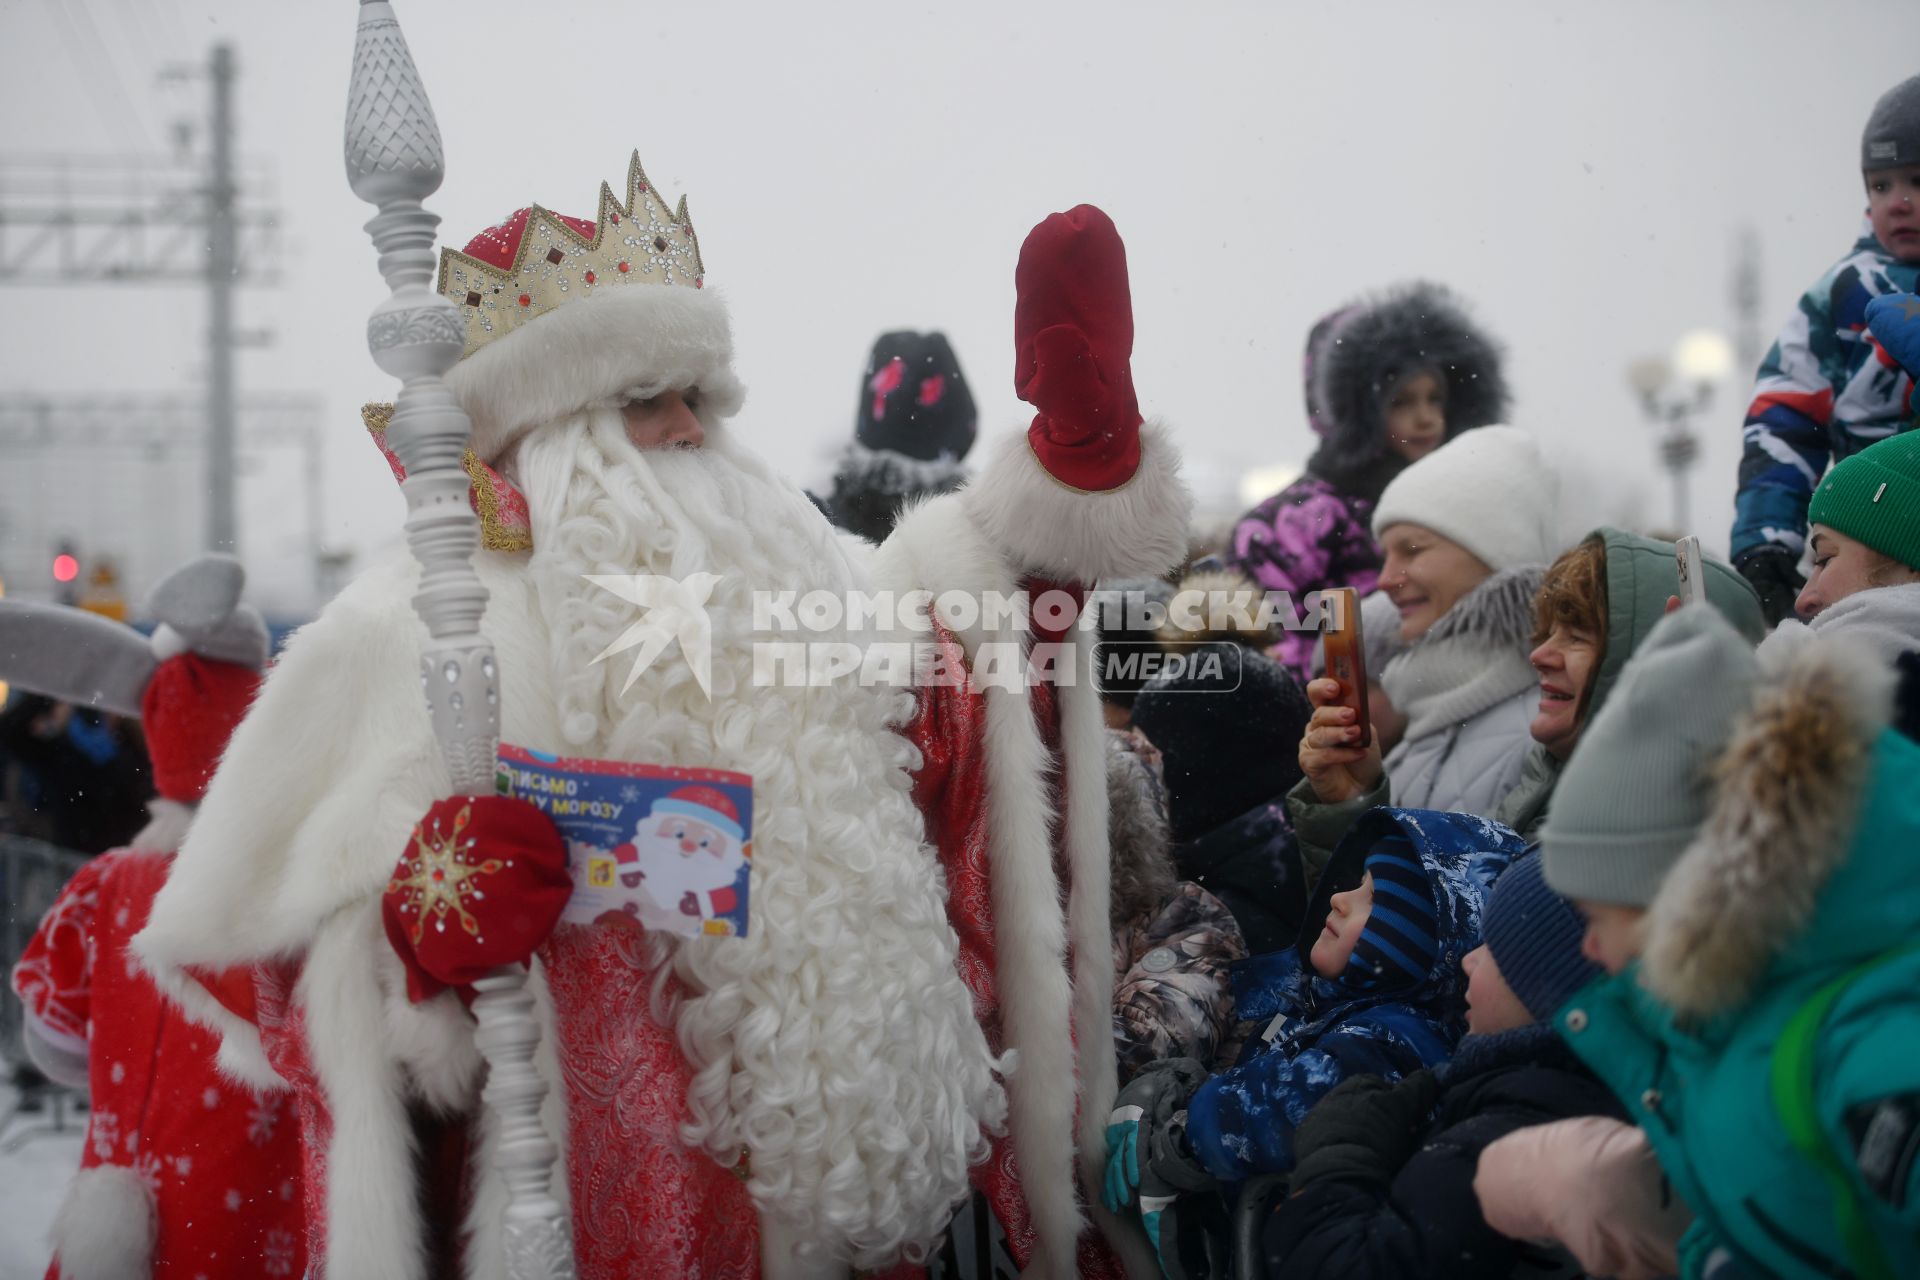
1373, 986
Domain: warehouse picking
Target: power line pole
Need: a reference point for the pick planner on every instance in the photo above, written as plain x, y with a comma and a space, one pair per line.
1747, 335
223, 525
204, 220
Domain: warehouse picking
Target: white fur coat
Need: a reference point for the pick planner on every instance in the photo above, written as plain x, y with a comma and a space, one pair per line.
307, 816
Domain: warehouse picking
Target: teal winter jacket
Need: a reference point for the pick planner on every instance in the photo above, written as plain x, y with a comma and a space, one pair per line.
1808, 866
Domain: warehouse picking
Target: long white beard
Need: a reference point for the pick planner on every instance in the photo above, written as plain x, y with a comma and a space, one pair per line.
600, 505
837, 1036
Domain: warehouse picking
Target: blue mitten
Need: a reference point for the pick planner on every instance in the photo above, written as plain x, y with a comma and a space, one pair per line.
1895, 322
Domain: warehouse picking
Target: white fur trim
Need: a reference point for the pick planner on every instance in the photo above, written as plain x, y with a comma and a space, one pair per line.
1083, 739
1031, 977
167, 643
937, 547
240, 1056
635, 337
1041, 526
373, 1221
166, 828
106, 1226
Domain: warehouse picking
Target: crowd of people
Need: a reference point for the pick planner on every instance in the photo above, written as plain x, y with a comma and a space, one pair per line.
1581, 944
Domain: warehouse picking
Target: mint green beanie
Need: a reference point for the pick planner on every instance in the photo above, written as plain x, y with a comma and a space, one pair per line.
1638, 787
1874, 497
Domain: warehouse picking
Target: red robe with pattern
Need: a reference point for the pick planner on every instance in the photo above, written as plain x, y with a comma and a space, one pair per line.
223, 1161
950, 729
643, 1202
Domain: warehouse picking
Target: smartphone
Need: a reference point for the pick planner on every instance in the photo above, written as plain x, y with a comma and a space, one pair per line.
1346, 659
1693, 577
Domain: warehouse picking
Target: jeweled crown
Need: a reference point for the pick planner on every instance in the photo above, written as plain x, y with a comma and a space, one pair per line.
513, 273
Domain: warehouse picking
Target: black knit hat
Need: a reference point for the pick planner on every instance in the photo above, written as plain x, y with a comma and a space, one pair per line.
1534, 935
1892, 137
914, 425
1228, 732
914, 400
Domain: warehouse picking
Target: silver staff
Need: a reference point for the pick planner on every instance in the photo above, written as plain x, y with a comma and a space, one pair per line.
394, 161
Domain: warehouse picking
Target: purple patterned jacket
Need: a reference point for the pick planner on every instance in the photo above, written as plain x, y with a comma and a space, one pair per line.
1308, 537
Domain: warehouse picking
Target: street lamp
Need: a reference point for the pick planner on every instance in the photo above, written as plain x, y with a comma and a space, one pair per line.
1674, 391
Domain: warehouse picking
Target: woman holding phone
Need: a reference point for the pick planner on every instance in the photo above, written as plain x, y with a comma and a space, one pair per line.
1597, 602
1467, 532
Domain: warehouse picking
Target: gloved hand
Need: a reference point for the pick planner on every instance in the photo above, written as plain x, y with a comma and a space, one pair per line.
1073, 347
1364, 1130
481, 884
1149, 1163
1894, 320
1775, 574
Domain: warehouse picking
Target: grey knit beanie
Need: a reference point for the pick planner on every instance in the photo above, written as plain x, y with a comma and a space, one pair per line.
1892, 138
1638, 788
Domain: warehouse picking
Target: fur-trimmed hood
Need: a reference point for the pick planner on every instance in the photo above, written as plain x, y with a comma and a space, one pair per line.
870, 486
1370, 348
1806, 858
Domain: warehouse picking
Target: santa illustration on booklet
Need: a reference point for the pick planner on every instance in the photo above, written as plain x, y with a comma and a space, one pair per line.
689, 861
664, 848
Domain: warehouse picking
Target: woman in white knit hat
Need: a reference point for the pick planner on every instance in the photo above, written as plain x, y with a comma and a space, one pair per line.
1468, 531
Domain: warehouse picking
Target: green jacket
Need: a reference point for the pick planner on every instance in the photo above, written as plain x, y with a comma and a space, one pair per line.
1771, 901
1640, 576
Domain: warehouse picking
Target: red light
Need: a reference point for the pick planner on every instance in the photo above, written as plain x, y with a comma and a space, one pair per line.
65, 568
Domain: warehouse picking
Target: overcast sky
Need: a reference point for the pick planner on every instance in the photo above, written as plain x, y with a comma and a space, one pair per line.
1578, 173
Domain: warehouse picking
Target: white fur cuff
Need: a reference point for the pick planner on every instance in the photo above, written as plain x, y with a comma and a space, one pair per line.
1139, 529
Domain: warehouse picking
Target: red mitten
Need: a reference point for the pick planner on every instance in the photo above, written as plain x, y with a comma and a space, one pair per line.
1073, 344
191, 707
481, 884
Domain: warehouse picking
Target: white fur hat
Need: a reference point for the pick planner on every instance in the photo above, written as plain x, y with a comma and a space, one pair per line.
1488, 490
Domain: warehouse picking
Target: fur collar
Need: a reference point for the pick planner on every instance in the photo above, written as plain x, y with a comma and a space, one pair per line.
1041, 526
1788, 788
1497, 614
897, 473
1473, 658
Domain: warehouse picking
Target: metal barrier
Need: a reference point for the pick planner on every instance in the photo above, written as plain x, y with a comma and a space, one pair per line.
32, 873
